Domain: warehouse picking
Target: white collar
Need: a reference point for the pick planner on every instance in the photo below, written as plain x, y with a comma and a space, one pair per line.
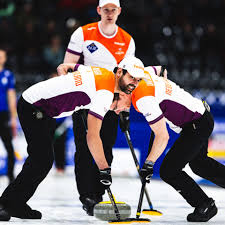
106, 36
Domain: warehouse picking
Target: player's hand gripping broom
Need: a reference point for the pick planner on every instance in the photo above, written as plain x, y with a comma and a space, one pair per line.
150, 211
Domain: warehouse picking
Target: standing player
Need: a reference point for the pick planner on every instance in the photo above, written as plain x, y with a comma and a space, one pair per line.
8, 112
101, 44
92, 88
160, 101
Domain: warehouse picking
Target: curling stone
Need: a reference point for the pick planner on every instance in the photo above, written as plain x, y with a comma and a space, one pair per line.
105, 211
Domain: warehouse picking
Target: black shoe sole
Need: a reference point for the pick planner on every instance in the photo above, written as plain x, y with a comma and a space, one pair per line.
90, 213
4, 215
212, 214
36, 215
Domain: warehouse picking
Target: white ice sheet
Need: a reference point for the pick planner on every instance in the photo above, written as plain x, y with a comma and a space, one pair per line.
57, 199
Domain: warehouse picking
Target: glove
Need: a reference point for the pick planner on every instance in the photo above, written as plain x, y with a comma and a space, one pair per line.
69, 70
124, 121
147, 171
105, 177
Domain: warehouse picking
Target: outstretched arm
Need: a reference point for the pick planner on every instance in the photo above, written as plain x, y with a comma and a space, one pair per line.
94, 141
159, 144
160, 141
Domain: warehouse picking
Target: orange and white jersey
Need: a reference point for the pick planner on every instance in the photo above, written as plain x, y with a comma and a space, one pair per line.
88, 88
99, 49
158, 97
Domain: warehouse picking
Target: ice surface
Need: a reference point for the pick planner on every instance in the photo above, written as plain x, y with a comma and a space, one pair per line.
57, 199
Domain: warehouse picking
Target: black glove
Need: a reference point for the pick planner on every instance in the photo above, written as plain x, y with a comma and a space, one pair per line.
105, 177
147, 171
124, 121
69, 70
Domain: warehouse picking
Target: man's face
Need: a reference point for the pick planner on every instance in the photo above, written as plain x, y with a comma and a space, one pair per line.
2, 57
128, 83
109, 13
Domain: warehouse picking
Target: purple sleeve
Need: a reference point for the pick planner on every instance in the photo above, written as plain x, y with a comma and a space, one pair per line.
156, 120
95, 115
73, 52
76, 67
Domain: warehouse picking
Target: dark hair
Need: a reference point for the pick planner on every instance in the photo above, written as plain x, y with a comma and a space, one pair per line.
116, 68
2, 48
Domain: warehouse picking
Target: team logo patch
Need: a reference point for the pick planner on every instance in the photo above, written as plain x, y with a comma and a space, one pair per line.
4, 80
77, 78
92, 47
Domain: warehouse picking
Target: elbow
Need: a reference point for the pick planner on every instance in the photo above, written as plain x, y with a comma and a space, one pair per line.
166, 137
91, 136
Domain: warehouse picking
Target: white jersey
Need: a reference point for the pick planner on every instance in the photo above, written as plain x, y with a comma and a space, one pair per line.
87, 88
158, 97
99, 49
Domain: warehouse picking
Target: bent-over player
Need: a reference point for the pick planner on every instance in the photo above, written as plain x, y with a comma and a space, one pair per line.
89, 87
161, 101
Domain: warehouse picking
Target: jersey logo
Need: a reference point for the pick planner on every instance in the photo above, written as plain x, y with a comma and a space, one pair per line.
77, 78
168, 87
92, 47
118, 43
91, 28
4, 80
119, 52
96, 71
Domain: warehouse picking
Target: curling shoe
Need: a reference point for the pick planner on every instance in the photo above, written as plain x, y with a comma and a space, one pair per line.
24, 212
4, 214
204, 212
90, 202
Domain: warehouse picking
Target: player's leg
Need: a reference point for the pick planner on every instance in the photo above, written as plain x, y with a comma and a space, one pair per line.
184, 150
59, 151
171, 170
38, 134
208, 168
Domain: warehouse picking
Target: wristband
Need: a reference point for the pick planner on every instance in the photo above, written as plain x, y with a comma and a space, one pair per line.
149, 163
76, 67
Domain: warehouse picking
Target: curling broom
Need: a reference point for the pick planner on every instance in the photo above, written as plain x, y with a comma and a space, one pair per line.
150, 211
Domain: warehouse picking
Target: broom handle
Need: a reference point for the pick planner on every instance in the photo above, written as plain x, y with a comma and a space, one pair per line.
113, 203
140, 200
127, 135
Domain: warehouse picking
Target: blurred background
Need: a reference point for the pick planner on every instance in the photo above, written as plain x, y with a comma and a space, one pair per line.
186, 36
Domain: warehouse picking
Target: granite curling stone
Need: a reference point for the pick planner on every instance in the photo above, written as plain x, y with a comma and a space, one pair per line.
105, 211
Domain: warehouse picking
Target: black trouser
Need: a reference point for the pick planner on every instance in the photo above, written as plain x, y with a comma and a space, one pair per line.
6, 136
60, 149
39, 136
86, 171
192, 147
